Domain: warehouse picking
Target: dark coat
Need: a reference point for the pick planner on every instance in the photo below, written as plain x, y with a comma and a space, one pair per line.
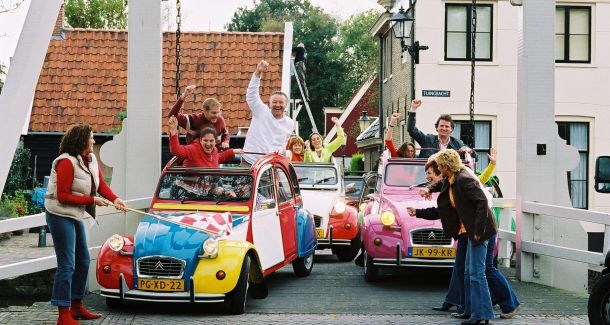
428, 140
471, 207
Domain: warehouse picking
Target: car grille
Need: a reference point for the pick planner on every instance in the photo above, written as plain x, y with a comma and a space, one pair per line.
430, 237
317, 220
161, 266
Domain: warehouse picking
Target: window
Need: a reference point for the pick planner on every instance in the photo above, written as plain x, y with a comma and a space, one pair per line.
265, 192
458, 32
295, 180
482, 139
284, 190
576, 134
572, 34
387, 55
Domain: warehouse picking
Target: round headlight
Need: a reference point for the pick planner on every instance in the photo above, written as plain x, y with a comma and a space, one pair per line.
210, 246
339, 207
387, 218
116, 242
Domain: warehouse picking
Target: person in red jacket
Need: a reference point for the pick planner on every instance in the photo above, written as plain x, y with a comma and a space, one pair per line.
70, 199
406, 150
296, 145
211, 117
199, 153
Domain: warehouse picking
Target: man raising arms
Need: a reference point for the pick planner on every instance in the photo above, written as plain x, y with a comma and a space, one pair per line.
270, 128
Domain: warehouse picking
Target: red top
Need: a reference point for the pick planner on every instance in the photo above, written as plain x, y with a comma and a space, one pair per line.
390, 145
65, 177
195, 157
296, 157
198, 122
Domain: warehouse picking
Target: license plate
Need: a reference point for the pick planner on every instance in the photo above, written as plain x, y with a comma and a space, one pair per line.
432, 252
319, 232
160, 285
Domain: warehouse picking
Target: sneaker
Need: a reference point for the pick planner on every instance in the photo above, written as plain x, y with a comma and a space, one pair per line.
510, 314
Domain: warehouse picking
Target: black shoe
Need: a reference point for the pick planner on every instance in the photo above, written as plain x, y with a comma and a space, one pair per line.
444, 307
359, 261
460, 316
475, 322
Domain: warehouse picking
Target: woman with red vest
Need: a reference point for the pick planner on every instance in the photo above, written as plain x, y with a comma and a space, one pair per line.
71, 198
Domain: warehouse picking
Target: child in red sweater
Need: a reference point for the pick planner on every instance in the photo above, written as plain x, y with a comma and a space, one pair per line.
201, 152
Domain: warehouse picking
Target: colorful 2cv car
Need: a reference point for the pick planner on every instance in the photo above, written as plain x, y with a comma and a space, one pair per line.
336, 222
251, 222
392, 238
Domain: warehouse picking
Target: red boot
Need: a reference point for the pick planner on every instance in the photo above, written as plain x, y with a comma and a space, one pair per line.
65, 317
80, 312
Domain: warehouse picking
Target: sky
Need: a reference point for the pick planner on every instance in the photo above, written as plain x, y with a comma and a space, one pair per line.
197, 15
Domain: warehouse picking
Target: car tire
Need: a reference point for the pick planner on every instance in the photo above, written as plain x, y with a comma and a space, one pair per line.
237, 297
302, 266
348, 253
599, 302
371, 272
113, 303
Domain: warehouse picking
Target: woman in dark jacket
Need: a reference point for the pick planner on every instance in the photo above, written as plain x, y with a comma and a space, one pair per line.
463, 208
71, 198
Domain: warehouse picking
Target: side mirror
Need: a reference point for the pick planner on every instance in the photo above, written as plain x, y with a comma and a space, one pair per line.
602, 174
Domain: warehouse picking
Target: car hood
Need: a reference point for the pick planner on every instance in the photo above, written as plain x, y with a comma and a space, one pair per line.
319, 202
157, 237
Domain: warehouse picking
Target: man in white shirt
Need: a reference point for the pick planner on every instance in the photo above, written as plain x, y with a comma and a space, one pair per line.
270, 128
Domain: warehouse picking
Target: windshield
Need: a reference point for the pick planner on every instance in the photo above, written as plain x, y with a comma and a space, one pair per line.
205, 187
404, 175
353, 187
316, 175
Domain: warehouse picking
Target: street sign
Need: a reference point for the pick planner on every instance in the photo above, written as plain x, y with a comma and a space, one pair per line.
436, 93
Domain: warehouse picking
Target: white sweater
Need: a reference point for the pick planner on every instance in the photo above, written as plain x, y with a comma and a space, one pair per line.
266, 133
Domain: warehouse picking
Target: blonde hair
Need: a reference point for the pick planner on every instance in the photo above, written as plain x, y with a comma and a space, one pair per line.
449, 159
210, 102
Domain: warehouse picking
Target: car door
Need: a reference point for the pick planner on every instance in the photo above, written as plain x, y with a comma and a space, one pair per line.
287, 212
266, 228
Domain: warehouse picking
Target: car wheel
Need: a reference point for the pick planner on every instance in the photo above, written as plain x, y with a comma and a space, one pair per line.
302, 266
237, 297
599, 302
348, 253
371, 271
113, 303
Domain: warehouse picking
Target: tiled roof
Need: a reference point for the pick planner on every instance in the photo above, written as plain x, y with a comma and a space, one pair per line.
84, 77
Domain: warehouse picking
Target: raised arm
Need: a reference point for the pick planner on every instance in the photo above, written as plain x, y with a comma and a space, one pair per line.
253, 98
338, 142
175, 111
414, 132
174, 145
486, 174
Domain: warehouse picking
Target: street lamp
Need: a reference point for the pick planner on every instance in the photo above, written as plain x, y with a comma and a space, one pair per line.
364, 121
403, 28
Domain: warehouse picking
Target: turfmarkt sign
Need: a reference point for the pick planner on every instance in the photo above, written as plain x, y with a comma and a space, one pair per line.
436, 93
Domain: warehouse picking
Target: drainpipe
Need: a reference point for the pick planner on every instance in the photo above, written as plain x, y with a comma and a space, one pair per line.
380, 79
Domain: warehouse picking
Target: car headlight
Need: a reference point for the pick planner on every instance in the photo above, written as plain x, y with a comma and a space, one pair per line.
339, 207
362, 207
210, 248
116, 242
387, 218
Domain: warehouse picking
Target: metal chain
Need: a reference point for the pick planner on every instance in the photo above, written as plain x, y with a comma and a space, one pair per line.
178, 21
472, 69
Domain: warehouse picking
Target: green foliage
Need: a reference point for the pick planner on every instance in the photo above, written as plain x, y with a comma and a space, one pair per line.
357, 162
20, 174
15, 206
357, 50
100, 14
116, 130
2, 75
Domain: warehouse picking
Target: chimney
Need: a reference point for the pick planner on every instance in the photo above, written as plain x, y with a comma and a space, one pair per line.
59, 23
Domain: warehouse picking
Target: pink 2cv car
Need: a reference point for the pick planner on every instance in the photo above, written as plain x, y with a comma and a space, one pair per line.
392, 238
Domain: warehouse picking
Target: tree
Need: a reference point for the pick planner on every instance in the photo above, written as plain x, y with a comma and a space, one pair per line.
2, 76
101, 14
357, 50
316, 30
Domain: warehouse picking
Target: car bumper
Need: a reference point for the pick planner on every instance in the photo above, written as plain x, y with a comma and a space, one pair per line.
331, 241
398, 260
126, 294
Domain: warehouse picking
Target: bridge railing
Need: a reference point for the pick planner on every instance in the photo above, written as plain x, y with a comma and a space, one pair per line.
506, 235
108, 222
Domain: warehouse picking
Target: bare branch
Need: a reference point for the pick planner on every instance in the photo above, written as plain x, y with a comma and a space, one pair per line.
10, 5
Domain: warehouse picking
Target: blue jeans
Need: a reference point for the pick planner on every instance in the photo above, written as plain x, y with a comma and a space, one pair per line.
501, 292
72, 253
477, 302
455, 293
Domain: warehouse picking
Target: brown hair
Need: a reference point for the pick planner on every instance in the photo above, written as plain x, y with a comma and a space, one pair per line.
311, 135
445, 117
278, 92
210, 102
432, 164
76, 140
207, 131
402, 150
294, 140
